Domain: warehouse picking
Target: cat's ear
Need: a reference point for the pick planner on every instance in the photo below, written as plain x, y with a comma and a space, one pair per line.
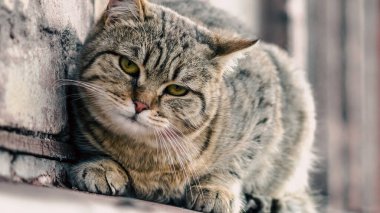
228, 50
232, 46
124, 10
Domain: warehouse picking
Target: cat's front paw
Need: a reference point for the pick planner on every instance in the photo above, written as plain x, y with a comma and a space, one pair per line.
212, 199
102, 176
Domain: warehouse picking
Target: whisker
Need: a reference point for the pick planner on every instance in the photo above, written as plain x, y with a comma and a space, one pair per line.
176, 137
171, 163
93, 88
182, 164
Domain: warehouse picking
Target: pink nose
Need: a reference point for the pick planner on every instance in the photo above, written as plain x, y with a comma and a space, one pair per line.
139, 106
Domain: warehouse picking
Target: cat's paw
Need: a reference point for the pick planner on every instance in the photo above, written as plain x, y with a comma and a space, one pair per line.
102, 176
212, 199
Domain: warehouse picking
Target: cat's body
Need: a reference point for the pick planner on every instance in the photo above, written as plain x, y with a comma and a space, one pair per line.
234, 135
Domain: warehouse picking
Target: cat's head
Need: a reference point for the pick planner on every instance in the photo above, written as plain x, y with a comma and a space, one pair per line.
149, 70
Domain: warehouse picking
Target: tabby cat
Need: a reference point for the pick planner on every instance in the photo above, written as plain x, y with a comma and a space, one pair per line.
175, 111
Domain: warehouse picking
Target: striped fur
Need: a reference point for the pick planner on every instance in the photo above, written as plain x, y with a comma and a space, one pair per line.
240, 139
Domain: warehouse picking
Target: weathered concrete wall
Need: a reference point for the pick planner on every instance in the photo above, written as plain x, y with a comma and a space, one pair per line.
32, 170
39, 41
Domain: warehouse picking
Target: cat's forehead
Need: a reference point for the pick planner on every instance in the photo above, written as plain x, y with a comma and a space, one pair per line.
170, 46
166, 26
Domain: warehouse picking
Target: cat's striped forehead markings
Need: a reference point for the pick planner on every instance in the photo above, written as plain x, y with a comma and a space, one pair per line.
169, 50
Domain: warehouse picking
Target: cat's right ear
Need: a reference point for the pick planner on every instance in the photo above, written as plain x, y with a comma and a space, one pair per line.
125, 10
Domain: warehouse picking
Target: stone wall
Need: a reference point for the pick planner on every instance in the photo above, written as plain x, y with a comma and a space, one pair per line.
32, 170
38, 42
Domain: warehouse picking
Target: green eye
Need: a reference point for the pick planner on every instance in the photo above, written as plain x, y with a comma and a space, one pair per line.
176, 90
129, 67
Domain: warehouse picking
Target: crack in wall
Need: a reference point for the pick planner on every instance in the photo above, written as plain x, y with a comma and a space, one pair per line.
30, 133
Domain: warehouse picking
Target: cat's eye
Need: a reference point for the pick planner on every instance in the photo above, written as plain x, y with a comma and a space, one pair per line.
176, 90
129, 67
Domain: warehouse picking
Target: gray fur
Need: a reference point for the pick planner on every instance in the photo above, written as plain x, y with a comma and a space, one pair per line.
241, 135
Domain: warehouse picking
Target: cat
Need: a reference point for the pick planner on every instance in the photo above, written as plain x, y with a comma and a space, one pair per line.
177, 111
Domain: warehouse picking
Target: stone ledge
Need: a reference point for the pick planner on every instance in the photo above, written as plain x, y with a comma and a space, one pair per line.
40, 146
26, 198
30, 169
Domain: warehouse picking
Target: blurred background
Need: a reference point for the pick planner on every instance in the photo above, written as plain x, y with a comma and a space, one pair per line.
337, 42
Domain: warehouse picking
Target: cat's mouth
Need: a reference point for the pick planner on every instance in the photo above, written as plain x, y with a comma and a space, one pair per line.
139, 125
131, 125
133, 119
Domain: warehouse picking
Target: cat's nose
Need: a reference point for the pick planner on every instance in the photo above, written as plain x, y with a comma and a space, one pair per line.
140, 106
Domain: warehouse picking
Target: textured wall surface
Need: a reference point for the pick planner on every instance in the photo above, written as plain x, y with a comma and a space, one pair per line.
39, 41
33, 170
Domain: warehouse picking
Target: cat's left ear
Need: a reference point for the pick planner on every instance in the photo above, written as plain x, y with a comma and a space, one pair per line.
229, 49
124, 10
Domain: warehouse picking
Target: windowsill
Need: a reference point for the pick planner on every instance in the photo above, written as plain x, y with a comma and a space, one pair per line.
27, 198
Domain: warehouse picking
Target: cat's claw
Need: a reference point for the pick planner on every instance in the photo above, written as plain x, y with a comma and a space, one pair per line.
100, 176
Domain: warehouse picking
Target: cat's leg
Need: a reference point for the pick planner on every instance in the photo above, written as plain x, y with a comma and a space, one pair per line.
297, 203
219, 193
100, 175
